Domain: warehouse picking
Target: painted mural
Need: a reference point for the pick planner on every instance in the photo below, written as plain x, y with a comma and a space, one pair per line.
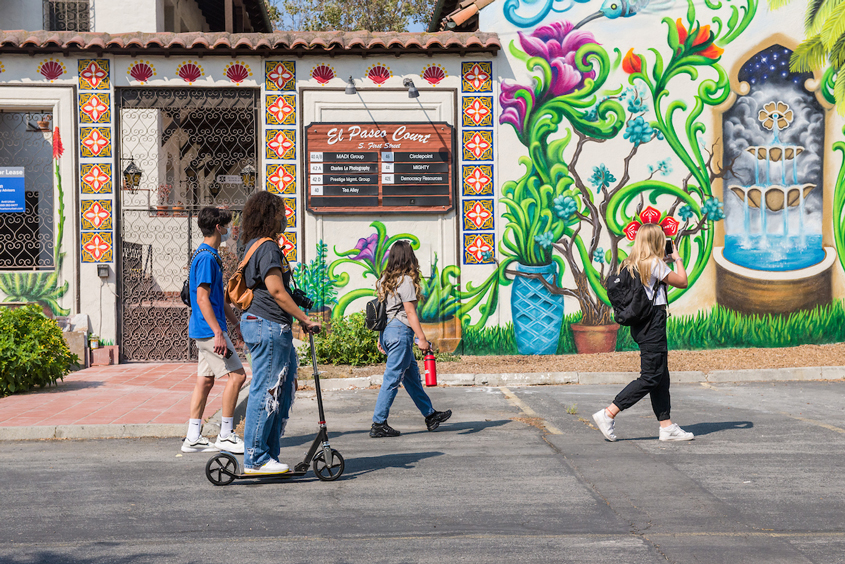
612, 139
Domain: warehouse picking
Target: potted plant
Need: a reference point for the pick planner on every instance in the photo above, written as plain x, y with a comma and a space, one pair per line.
163, 194
439, 310
557, 215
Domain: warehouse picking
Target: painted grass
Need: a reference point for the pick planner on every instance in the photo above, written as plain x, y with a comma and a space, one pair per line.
712, 329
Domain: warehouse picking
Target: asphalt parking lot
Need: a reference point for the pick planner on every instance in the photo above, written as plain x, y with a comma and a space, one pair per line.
517, 475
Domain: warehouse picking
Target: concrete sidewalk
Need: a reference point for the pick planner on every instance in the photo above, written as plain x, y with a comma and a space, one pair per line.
152, 400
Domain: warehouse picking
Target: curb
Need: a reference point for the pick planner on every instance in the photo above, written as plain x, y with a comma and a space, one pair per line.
119, 431
212, 424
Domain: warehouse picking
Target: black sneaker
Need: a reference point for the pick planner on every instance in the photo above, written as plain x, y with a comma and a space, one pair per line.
434, 420
383, 430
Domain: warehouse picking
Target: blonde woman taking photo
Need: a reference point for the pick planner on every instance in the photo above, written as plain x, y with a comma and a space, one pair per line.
648, 263
399, 288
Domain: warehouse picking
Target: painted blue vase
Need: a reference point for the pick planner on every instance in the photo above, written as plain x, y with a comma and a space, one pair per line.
537, 313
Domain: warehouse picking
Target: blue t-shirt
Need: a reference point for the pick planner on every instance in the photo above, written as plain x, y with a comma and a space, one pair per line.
205, 270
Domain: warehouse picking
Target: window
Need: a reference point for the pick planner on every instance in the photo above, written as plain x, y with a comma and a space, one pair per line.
67, 15
26, 237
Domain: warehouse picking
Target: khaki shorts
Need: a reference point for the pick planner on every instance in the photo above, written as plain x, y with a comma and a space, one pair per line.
211, 364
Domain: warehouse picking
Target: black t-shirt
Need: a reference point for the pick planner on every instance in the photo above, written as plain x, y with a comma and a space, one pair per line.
265, 258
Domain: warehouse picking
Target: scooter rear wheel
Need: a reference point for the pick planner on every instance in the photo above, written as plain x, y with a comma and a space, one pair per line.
221, 469
326, 472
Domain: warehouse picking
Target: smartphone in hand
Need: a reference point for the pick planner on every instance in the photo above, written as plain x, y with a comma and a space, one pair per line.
670, 247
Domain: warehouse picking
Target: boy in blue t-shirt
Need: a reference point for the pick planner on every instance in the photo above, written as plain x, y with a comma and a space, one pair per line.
207, 326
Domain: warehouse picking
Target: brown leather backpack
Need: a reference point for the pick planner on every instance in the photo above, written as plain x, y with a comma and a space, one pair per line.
237, 292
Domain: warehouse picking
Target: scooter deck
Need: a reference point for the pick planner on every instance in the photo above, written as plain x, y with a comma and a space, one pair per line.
282, 476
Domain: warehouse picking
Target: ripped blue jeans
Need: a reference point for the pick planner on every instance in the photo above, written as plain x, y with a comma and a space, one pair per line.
272, 389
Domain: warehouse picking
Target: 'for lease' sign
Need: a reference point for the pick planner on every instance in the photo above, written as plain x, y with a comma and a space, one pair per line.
12, 189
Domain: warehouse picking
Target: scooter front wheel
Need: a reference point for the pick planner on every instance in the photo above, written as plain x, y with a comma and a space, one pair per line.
221, 469
328, 472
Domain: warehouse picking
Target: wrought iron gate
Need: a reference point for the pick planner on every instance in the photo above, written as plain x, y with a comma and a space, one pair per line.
195, 147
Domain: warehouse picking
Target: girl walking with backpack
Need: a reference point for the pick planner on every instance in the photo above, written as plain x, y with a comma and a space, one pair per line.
647, 262
399, 289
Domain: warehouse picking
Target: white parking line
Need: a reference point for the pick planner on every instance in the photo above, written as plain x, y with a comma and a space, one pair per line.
516, 402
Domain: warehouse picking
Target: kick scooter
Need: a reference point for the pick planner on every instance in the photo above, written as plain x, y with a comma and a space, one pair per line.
223, 469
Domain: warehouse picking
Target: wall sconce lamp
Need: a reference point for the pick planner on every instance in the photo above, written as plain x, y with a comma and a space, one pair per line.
350, 87
412, 90
132, 177
248, 176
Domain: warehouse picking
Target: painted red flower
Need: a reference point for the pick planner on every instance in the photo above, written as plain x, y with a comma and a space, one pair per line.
58, 148
632, 62
711, 51
651, 215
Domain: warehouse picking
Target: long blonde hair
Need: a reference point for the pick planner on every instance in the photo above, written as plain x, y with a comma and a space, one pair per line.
402, 262
650, 244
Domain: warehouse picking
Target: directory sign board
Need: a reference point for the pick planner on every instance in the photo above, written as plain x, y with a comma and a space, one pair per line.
379, 167
12, 196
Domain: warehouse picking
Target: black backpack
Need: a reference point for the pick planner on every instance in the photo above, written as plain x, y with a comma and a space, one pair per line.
376, 315
185, 294
628, 297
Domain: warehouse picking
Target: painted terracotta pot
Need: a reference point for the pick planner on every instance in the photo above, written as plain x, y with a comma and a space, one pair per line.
445, 335
591, 339
537, 313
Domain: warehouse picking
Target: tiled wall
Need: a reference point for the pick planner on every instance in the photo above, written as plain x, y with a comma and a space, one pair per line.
477, 189
281, 147
96, 162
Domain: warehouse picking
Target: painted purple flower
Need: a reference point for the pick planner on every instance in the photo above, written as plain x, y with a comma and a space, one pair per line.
367, 248
558, 43
514, 108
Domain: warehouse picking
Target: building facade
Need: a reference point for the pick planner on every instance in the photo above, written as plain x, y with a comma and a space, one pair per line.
518, 163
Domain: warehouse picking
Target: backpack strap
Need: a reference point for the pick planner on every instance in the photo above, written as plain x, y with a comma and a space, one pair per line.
252, 250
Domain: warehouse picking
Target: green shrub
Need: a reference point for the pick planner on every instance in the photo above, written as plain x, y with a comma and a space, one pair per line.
32, 351
350, 343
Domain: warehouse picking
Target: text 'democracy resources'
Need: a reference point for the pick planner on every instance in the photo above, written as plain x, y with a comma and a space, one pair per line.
385, 167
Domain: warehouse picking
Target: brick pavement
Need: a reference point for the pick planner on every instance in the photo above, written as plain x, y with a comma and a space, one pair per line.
119, 394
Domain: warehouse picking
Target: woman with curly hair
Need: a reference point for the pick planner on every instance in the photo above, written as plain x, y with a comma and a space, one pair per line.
266, 330
399, 289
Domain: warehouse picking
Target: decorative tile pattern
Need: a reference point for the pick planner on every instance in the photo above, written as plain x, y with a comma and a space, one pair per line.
281, 110
478, 145
281, 178
477, 111
95, 141
94, 74
94, 107
478, 215
95, 178
281, 143
51, 69
288, 244
290, 212
478, 248
279, 75
97, 247
477, 76
96, 214
477, 180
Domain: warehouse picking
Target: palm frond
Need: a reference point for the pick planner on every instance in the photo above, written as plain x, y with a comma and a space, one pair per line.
817, 11
808, 56
777, 4
834, 27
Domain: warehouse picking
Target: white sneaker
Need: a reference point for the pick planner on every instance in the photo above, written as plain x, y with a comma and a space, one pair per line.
231, 443
675, 433
200, 445
605, 424
271, 467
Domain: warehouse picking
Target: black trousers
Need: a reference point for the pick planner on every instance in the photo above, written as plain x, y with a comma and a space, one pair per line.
654, 367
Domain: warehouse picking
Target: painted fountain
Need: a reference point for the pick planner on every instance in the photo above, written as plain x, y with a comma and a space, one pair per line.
773, 260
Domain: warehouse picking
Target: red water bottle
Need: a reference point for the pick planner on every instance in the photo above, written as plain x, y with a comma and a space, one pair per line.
430, 369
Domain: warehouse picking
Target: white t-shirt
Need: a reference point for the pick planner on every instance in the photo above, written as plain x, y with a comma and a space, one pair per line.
659, 271
405, 292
